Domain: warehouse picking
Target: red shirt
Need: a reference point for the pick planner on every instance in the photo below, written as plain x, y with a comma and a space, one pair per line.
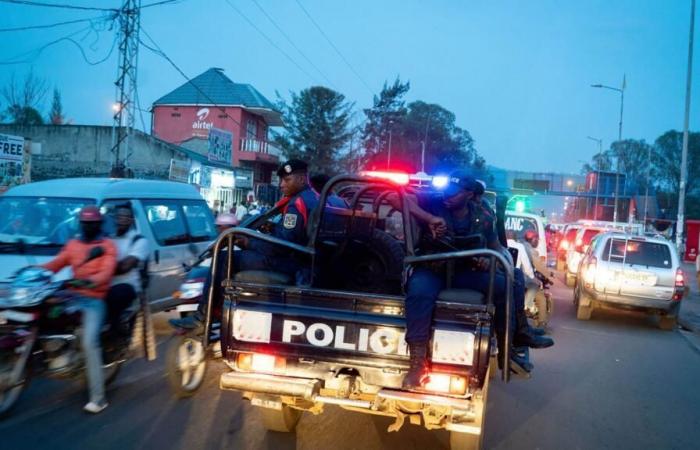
100, 270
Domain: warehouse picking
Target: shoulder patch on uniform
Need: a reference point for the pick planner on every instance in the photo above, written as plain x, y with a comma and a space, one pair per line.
290, 220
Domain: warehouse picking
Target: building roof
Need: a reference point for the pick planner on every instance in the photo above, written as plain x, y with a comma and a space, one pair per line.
214, 88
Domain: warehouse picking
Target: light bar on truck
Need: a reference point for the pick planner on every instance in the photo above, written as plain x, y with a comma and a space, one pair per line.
395, 177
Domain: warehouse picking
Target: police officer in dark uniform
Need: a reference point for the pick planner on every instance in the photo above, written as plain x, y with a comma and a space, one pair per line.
452, 216
297, 204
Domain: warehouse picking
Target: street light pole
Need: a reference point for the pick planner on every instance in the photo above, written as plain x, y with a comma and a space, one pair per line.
597, 174
619, 134
684, 158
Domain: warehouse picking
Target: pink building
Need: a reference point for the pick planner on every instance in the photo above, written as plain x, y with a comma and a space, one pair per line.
211, 100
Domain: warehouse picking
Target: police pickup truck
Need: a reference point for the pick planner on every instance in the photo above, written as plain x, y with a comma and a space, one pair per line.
340, 339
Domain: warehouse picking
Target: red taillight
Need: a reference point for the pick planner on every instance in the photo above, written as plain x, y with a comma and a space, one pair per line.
680, 285
680, 278
446, 383
564, 245
396, 177
260, 362
589, 274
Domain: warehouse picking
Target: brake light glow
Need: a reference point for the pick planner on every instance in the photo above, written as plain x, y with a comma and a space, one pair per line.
680, 279
679, 285
395, 177
190, 289
590, 272
259, 362
446, 383
564, 245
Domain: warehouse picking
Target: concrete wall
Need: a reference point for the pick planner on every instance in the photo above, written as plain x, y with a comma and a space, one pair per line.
85, 151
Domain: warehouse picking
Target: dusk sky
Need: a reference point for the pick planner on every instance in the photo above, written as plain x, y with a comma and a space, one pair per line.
515, 73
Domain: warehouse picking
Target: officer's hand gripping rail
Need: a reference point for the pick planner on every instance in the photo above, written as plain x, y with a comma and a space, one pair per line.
494, 257
226, 240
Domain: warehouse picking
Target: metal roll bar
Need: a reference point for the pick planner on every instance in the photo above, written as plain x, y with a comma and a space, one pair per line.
228, 236
493, 257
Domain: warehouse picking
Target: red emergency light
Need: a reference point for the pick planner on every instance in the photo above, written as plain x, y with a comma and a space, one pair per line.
395, 177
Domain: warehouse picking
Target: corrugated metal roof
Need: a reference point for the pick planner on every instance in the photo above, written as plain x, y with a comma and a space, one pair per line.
213, 87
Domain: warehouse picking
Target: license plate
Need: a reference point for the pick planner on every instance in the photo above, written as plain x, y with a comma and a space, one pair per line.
266, 403
634, 277
15, 316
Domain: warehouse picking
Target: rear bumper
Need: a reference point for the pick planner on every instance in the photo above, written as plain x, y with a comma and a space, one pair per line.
634, 303
270, 384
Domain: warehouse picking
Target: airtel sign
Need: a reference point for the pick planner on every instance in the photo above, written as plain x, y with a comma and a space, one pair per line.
200, 123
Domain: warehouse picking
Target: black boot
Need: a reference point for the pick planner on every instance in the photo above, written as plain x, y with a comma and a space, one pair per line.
525, 338
538, 331
418, 371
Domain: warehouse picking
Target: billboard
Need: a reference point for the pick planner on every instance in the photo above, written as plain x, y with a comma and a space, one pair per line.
179, 171
13, 160
220, 145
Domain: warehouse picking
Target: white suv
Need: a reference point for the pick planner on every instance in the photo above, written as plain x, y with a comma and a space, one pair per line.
631, 272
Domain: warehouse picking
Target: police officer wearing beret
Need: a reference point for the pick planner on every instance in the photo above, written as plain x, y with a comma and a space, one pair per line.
452, 216
297, 204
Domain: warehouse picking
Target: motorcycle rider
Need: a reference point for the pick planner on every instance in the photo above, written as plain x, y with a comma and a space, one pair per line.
132, 254
531, 242
92, 277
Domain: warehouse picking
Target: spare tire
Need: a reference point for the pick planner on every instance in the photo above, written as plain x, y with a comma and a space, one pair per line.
374, 265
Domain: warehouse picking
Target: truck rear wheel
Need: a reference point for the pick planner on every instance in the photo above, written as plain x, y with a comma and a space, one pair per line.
185, 365
282, 420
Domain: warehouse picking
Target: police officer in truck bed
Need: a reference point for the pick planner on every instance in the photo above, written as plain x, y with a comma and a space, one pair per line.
453, 216
297, 204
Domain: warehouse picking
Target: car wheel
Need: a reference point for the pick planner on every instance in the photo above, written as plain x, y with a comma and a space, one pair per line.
282, 420
185, 365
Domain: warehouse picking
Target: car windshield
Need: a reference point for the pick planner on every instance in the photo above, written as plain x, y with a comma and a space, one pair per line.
635, 252
39, 220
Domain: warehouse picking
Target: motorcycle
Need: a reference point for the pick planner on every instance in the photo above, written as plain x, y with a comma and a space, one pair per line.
40, 333
185, 358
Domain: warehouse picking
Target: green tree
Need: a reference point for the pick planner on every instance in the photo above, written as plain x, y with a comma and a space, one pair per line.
388, 109
318, 128
634, 161
666, 160
601, 161
56, 116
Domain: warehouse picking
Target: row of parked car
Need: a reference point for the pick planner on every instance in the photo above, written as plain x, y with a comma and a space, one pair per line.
617, 265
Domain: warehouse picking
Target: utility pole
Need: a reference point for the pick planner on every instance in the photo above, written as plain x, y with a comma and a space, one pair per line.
423, 144
125, 105
684, 158
646, 194
597, 174
621, 91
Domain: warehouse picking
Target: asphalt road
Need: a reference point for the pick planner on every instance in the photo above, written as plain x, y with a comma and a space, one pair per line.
614, 382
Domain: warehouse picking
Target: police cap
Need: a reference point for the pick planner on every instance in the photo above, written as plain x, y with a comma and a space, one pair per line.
460, 180
292, 166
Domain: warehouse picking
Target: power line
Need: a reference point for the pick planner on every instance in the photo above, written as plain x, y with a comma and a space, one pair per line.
50, 25
57, 5
158, 51
347, 63
291, 42
164, 2
267, 38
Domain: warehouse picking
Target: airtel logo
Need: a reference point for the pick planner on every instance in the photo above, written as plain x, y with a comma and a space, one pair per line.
202, 114
200, 123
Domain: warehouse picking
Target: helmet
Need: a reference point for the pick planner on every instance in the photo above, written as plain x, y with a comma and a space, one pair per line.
90, 213
226, 220
530, 234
